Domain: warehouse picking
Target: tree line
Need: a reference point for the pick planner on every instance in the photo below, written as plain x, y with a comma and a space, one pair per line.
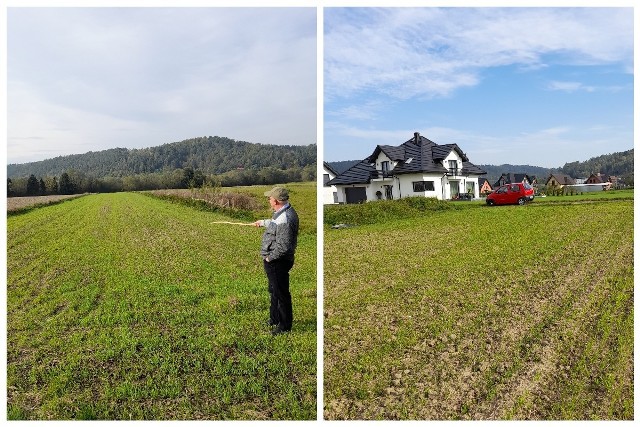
77, 182
618, 164
212, 155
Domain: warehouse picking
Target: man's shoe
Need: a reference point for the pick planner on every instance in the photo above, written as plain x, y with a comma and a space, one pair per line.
278, 330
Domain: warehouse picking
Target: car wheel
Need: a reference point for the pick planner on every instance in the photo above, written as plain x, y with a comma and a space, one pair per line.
491, 202
521, 201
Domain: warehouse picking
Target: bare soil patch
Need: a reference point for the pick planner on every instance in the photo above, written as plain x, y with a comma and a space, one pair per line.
19, 203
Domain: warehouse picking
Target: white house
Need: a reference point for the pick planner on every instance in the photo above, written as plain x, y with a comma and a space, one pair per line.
329, 192
418, 167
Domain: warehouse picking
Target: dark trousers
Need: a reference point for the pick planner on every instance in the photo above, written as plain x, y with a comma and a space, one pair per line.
281, 311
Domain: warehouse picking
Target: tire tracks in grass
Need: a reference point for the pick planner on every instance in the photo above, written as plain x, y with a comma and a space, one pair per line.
477, 354
537, 369
554, 334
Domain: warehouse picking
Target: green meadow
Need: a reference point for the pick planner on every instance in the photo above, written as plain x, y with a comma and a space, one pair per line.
463, 311
124, 306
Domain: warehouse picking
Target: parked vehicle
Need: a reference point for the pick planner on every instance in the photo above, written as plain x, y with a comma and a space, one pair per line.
510, 194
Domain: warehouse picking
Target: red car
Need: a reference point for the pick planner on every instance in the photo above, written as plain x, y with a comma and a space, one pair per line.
511, 194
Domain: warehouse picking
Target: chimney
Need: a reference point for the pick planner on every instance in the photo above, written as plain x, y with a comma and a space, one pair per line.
416, 138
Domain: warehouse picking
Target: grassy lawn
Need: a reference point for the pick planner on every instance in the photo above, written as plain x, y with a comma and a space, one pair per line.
122, 306
482, 313
595, 196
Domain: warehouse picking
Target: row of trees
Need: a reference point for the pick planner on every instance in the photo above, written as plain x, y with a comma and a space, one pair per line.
618, 164
212, 155
77, 182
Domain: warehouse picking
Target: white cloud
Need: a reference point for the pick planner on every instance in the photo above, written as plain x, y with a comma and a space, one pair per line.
569, 87
431, 52
157, 75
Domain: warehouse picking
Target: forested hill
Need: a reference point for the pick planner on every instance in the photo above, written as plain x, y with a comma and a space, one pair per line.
619, 164
211, 155
495, 171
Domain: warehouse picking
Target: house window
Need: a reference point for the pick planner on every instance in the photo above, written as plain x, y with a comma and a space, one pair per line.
471, 187
453, 167
385, 166
421, 186
326, 179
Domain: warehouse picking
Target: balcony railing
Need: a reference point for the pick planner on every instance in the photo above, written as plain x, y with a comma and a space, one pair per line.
381, 174
454, 172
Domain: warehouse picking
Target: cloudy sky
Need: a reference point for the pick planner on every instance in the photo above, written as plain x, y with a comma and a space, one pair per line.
88, 79
541, 86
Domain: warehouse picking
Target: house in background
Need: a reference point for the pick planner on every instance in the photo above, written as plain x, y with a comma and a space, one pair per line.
417, 167
515, 178
598, 178
485, 187
559, 180
329, 192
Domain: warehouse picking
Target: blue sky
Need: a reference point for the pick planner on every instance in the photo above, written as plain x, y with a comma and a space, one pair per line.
538, 86
89, 79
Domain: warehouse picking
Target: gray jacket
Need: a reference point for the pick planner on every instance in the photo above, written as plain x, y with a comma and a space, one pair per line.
280, 238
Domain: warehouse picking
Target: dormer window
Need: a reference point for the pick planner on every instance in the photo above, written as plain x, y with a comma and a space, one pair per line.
453, 167
385, 166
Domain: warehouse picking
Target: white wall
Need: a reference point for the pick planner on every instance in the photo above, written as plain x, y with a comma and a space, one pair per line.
406, 185
383, 158
328, 192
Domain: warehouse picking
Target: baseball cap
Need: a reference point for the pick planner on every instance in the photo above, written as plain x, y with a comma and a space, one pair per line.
278, 193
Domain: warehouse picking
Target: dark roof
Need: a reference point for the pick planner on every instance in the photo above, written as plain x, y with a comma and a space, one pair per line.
562, 179
481, 182
469, 168
512, 178
598, 178
394, 153
417, 155
360, 173
328, 167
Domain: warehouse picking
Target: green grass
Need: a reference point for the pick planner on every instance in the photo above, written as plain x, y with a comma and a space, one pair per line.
595, 196
302, 196
384, 210
482, 313
122, 306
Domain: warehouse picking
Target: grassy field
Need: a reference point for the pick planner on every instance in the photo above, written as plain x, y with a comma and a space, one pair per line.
481, 313
123, 306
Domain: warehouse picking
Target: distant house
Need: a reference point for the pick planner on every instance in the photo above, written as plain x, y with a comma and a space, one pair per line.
485, 187
515, 178
329, 192
598, 178
559, 180
417, 167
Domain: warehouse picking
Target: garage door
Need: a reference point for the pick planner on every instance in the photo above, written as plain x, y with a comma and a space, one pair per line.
356, 194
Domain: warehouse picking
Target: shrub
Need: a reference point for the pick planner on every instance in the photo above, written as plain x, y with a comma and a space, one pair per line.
383, 210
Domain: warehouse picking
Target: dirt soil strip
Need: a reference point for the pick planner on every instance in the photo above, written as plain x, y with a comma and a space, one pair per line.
17, 203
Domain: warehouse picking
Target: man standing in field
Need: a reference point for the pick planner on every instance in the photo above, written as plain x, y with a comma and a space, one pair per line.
279, 243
